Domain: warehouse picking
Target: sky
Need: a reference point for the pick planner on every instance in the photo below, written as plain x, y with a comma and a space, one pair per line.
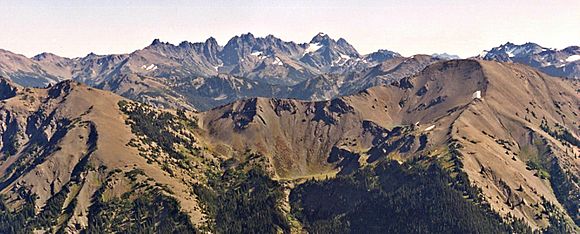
461, 27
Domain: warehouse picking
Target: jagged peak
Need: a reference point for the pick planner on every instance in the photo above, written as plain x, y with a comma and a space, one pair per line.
155, 42
342, 41
530, 44
91, 54
274, 39
240, 39
247, 35
185, 44
320, 38
511, 50
211, 40
508, 43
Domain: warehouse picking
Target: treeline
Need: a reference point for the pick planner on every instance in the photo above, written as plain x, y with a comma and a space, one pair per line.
21, 220
160, 127
561, 133
394, 198
243, 200
151, 212
145, 208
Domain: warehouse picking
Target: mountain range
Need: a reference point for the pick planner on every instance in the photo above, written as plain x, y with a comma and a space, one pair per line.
279, 137
197, 75
203, 75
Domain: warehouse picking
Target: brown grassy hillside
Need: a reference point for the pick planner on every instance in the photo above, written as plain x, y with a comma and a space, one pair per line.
75, 140
500, 139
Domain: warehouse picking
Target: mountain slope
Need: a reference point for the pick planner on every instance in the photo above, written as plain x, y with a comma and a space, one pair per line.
451, 110
75, 158
70, 151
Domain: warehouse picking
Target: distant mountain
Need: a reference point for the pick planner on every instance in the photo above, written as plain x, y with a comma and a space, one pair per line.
204, 75
445, 56
561, 63
381, 56
207, 92
328, 55
33, 72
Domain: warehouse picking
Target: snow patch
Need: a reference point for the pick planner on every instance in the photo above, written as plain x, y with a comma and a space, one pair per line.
220, 97
344, 56
312, 48
151, 67
476, 95
278, 62
430, 128
340, 61
513, 51
256, 53
216, 68
573, 58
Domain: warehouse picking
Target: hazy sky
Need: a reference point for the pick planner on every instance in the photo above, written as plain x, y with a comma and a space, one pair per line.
75, 28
